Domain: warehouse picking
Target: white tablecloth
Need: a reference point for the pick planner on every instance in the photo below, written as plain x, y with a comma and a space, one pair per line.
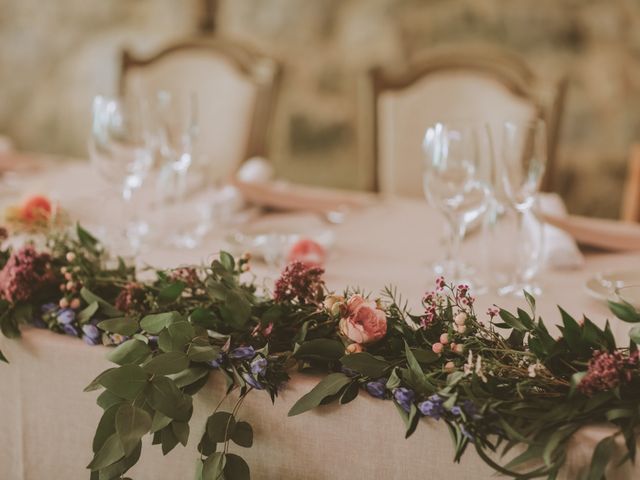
47, 422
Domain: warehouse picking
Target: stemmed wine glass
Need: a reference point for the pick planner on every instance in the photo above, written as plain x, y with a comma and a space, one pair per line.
522, 161
121, 150
454, 183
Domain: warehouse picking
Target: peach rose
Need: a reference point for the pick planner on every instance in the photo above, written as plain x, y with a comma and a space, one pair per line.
365, 322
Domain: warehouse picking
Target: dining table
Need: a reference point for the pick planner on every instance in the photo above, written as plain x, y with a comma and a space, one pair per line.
47, 422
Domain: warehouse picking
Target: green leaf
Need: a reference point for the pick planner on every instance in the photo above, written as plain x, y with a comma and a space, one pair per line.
634, 334
122, 325
227, 261
350, 393
243, 434
531, 301
167, 363
203, 317
189, 376
236, 309
86, 314
425, 356
3, 358
160, 420
330, 385
412, 362
181, 431
163, 395
176, 336
601, 457
109, 454
132, 351
85, 238
106, 427
171, 292
236, 468
95, 383
322, 349
156, 322
107, 399
624, 311
512, 320
168, 439
126, 381
132, 423
221, 426
105, 307
366, 364
202, 351
214, 467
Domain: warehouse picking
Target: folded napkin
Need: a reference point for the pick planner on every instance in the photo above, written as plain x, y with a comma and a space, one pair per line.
559, 249
254, 181
597, 232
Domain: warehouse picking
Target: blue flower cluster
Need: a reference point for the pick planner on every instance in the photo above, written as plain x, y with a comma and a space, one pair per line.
65, 318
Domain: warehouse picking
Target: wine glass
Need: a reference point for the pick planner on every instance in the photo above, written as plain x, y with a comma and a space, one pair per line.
177, 128
522, 164
455, 184
121, 150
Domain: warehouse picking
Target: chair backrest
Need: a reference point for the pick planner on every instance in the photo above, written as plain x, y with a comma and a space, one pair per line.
235, 90
630, 211
462, 83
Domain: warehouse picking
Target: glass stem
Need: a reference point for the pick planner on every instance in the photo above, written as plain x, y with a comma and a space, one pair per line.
521, 247
457, 230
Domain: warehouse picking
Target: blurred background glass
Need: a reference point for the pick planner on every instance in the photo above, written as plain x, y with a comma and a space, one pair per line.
57, 54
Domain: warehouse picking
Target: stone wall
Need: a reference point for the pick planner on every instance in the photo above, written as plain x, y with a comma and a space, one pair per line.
56, 54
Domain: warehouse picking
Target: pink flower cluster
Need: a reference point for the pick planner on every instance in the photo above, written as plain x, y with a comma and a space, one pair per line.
130, 298
299, 282
606, 371
186, 275
24, 274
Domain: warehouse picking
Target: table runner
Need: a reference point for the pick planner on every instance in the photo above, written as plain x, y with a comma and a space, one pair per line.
47, 423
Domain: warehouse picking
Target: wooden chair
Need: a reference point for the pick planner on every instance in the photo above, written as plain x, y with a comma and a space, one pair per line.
631, 197
463, 82
235, 89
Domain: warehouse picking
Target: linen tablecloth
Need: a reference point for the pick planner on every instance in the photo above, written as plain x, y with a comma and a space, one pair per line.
47, 422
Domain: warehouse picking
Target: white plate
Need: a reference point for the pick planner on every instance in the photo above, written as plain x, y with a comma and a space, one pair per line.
603, 285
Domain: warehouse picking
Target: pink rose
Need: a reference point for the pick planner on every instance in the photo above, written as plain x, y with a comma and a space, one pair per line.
365, 322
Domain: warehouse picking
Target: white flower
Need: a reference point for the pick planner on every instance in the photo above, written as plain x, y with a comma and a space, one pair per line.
460, 318
534, 368
468, 367
479, 370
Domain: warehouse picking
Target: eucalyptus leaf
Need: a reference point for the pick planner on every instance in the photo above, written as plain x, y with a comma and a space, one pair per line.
110, 452
320, 349
243, 434
214, 467
366, 364
132, 351
167, 363
163, 395
330, 385
88, 312
126, 381
105, 307
172, 292
132, 423
236, 468
160, 420
221, 426
154, 323
181, 431
122, 325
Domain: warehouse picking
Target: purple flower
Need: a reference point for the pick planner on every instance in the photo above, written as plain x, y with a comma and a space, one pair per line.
433, 407
259, 366
349, 372
69, 329
243, 353
404, 397
252, 381
376, 389
91, 334
65, 316
456, 410
48, 307
466, 433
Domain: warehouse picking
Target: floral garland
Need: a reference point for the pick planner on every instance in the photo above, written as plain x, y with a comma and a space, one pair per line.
496, 382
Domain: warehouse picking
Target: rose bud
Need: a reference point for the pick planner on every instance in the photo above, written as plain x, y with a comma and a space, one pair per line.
459, 348
64, 303
353, 348
444, 338
449, 367
461, 328
70, 256
75, 303
437, 348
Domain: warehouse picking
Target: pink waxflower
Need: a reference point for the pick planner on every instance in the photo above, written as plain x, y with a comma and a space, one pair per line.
25, 273
365, 322
606, 371
300, 282
493, 311
440, 283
